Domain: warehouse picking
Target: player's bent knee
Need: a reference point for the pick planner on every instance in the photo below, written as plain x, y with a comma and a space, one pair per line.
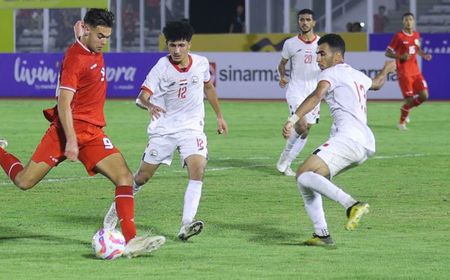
304, 177
24, 184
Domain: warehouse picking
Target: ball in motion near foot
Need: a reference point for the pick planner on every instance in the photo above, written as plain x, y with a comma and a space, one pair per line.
108, 244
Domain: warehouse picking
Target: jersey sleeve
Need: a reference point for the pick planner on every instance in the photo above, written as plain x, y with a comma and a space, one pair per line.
285, 51
394, 44
70, 73
153, 79
206, 73
328, 76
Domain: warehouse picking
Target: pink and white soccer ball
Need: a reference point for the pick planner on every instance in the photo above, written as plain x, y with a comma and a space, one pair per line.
108, 244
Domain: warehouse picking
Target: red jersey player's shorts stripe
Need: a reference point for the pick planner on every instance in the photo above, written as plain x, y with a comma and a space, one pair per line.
412, 85
93, 146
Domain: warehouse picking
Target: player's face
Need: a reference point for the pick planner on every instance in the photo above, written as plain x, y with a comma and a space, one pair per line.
306, 23
408, 23
325, 56
98, 37
179, 50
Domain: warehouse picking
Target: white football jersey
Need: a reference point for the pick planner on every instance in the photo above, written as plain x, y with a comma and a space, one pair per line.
347, 98
180, 93
304, 69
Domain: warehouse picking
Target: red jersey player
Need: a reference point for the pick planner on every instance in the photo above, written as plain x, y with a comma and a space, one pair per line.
404, 47
76, 129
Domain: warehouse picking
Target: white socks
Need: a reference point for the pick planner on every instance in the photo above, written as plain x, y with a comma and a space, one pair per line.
322, 185
136, 188
191, 201
294, 145
297, 148
312, 186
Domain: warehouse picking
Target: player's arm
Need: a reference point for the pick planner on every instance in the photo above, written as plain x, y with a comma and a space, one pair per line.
424, 55
65, 116
282, 71
211, 95
380, 79
307, 106
143, 102
391, 54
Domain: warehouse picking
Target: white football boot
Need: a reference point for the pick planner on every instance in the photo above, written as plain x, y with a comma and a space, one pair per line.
189, 230
402, 126
289, 172
3, 143
282, 163
141, 245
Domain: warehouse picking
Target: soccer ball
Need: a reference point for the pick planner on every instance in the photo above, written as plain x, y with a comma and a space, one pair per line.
108, 244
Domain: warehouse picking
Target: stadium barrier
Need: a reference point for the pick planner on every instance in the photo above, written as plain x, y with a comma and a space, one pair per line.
237, 75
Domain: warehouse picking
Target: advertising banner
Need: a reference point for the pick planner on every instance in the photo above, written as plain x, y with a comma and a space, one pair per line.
437, 76
255, 75
36, 75
237, 75
434, 43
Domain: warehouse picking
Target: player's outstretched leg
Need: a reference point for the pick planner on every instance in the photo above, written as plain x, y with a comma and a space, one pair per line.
141, 245
110, 220
190, 229
354, 214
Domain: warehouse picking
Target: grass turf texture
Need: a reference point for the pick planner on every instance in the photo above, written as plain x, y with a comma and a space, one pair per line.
254, 217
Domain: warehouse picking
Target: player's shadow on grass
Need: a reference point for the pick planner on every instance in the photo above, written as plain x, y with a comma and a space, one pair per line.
263, 233
12, 234
261, 166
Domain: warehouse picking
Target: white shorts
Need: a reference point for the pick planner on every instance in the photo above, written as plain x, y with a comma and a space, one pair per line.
160, 148
312, 117
340, 153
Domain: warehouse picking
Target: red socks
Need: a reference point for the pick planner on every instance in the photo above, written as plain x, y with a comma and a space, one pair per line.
125, 211
10, 164
404, 111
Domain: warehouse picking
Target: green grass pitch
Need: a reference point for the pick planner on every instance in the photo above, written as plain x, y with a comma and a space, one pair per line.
254, 217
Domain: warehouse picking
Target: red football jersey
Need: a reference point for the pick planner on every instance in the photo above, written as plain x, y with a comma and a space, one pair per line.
406, 43
84, 73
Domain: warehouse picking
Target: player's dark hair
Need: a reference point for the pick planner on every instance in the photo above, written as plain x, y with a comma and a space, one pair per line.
407, 14
95, 17
178, 30
335, 42
305, 11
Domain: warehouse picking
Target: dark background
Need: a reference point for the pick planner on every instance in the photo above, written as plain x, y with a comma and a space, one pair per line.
208, 16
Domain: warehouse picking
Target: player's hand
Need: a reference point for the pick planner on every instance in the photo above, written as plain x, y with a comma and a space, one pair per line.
155, 111
78, 29
404, 57
283, 82
287, 129
222, 127
71, 151
427, 57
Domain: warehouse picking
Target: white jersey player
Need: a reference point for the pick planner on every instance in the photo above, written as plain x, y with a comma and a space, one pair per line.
351, 141
300, 52
173, 93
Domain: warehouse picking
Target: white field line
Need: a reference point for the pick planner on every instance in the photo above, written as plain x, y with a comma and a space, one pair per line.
215, 169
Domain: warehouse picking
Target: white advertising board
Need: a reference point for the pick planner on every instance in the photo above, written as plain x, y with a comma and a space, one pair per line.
254, 75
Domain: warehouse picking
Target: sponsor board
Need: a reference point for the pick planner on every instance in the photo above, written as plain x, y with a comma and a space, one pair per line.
255, 75
36, 75
237, 75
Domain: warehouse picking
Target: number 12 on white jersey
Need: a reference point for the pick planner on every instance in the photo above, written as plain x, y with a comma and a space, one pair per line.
362, 96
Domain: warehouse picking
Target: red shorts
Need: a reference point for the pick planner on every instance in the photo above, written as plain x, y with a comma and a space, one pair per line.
411, 85
93, 146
